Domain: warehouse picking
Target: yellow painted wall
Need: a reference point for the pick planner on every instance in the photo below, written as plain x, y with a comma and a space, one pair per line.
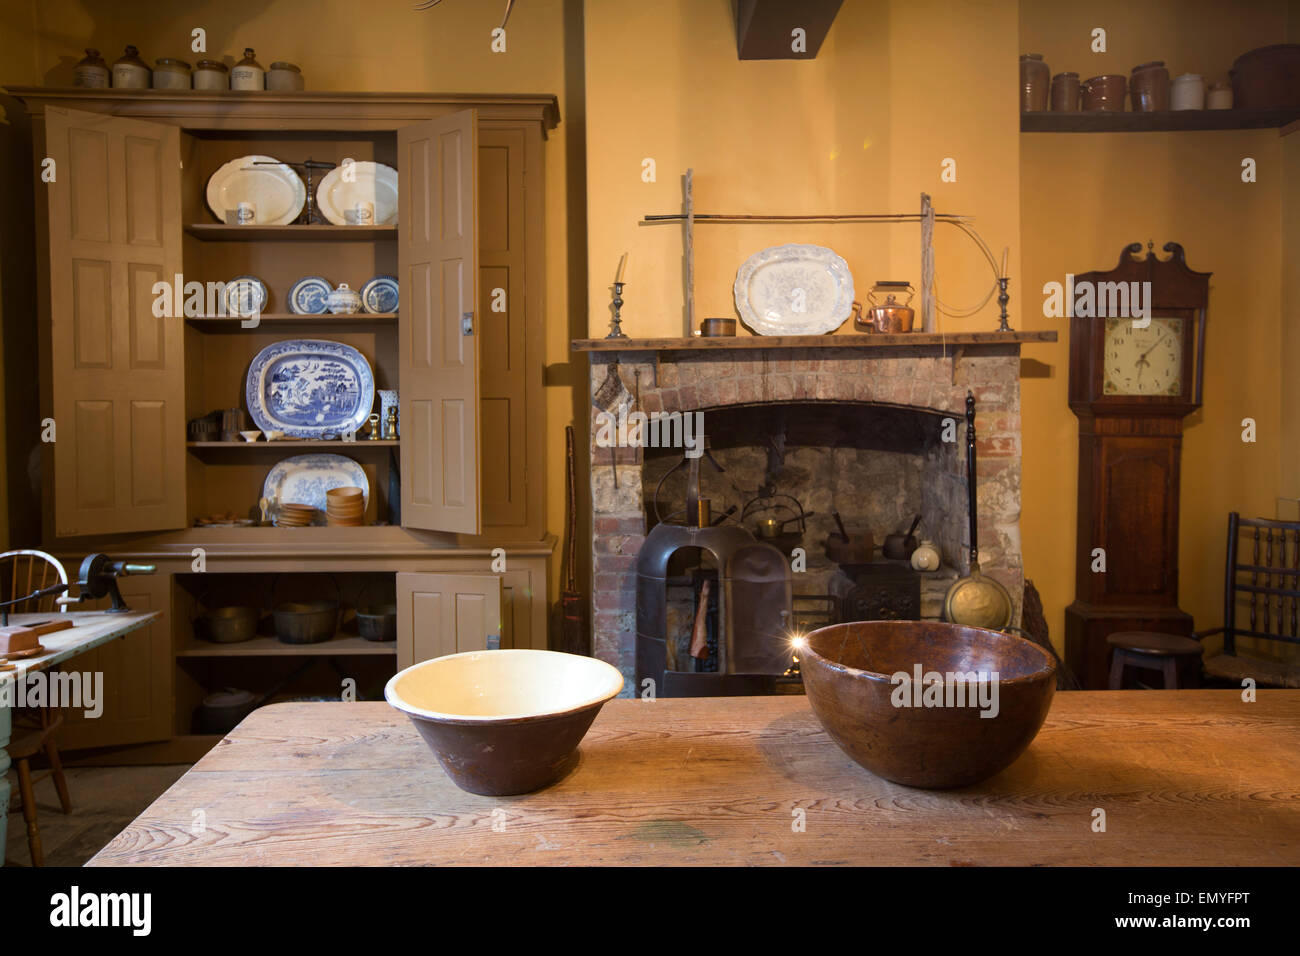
863, 128
1082, 198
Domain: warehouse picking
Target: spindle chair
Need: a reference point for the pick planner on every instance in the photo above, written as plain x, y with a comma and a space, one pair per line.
22, 572
1262, 584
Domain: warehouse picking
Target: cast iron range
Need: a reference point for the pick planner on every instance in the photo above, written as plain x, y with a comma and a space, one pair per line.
749, 622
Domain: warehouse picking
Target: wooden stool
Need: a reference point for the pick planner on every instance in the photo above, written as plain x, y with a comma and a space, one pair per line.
1149, 650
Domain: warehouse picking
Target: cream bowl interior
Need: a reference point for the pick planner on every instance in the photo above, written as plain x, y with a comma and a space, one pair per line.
502, 685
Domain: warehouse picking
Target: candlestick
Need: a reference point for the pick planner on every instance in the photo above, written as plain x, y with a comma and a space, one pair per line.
1003, 298
616, 329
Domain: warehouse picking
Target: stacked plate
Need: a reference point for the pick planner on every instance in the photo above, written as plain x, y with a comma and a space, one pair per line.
293, 515
345, 506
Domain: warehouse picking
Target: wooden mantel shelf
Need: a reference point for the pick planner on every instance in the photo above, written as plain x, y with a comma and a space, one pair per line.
965, 340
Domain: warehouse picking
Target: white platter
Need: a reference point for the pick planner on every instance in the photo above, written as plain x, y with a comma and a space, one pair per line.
337, 197
277, 192
794, 290
304, 479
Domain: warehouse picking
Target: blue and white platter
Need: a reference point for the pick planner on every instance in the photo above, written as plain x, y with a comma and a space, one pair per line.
308, 295
308, 388
304, 479
380, 294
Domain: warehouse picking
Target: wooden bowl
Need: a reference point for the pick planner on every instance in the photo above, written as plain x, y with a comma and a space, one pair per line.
504, 722
894, 729
346, 493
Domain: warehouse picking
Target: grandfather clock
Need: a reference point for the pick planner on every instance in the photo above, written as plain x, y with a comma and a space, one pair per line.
1132, 382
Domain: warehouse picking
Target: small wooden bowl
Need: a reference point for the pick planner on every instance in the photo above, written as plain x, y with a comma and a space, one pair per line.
884, 724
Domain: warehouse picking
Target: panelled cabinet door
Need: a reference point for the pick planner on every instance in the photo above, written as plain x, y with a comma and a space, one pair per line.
440, 614
118, 370
437, 253
135, 698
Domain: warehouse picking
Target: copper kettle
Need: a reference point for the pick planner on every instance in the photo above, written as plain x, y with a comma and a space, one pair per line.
889, 315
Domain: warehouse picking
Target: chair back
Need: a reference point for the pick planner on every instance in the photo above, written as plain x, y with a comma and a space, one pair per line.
25, 571
1262, 587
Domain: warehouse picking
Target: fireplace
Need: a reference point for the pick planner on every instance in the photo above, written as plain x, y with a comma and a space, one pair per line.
872, 433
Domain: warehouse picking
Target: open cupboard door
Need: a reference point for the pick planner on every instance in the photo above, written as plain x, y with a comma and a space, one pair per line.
440, 614
117, 369
437, 252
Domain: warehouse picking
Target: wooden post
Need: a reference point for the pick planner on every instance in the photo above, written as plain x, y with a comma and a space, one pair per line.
688, 241
927, 264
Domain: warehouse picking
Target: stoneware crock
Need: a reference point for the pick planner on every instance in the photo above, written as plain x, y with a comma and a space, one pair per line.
848, 672
507, 721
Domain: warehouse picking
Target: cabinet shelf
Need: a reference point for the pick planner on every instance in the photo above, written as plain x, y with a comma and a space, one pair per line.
225, 233
233, 323
339, 644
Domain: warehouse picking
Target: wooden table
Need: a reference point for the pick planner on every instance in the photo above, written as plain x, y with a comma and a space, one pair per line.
92, 628
1186, 777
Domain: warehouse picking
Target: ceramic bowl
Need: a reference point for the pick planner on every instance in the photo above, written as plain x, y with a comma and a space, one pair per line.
504, 722
924, 733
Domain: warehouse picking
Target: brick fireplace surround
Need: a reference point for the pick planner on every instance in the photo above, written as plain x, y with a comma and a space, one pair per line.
928, 379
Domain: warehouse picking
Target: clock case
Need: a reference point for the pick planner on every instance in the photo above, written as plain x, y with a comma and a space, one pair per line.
1129, 453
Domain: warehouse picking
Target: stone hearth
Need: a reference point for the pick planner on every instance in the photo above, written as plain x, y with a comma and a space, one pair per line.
917, 385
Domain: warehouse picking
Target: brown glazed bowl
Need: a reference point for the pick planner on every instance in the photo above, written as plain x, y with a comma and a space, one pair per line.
849, 670
504, 722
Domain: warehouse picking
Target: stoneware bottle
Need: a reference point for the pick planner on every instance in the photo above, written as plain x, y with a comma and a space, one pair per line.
92, 72
130, 72
926, 557
248, 73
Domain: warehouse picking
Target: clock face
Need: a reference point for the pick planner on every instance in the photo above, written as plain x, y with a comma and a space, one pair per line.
1145, 361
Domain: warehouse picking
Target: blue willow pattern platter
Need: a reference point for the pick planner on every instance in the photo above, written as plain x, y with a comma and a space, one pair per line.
380, 294
309, 387
308, 296
304, 479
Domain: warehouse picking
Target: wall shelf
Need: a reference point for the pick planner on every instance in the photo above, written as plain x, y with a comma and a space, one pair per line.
1166, 121
223, 232
847, 341
349, 644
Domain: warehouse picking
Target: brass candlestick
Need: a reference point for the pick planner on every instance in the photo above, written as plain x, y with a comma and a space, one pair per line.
1003, 299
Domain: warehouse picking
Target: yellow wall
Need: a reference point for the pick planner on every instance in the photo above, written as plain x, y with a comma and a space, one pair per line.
860, 129
1083, 197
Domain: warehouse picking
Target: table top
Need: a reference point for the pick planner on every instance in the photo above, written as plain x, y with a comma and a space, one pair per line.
1193, 777
92, 628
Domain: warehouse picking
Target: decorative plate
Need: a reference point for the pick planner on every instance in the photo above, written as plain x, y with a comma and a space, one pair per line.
372, 182
246, 295
308, 295
380, 294
794, 290
275, 190
304, 479
309, 387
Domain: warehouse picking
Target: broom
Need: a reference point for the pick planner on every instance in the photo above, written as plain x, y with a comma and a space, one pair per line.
573, 608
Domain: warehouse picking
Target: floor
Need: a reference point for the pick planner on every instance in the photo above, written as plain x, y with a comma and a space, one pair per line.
104, 801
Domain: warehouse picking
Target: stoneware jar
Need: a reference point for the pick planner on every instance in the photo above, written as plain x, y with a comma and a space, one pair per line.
284, 77
1065, 92
1104, 92
248, 73
1189, 92
171, 74
1219, 96
343, 300
1034, 78
130, 72
211, 75
1149, 87
92, 72
926, 557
